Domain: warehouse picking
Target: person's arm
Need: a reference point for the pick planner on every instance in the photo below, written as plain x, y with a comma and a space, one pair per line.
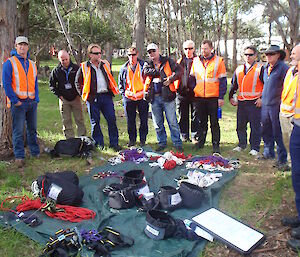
122, 80
222, 76
53, 83
176, 69
79, 81
7, 81
234, 86
37, 98
149, 70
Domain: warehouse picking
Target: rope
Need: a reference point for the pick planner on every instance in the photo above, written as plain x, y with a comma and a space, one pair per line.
2, 208
66, 212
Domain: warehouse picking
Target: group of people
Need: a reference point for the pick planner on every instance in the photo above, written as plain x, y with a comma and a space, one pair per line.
267, 98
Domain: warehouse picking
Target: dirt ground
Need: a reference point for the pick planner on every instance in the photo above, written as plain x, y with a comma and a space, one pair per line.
270, 220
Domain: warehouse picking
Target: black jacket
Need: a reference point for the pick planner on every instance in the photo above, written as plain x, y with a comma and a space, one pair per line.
58, 80
149, 70
93, 88
187, 82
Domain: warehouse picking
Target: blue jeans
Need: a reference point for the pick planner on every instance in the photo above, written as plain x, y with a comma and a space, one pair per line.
103, 103
295, 157
26, 113
130, 108
159, 107
271, 133
248, 112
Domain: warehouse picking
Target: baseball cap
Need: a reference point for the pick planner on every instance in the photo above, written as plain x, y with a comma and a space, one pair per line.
21, 39
152, 46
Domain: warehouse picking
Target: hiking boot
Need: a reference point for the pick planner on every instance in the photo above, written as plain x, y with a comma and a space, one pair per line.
160, 148
216, 149
195, 141
294, 244
117, 148
142, 143
20, 163
292, 222
131, 143
295, 233
253, 152
238, 149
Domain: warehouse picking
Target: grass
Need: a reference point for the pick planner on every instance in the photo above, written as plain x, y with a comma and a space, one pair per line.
236, 199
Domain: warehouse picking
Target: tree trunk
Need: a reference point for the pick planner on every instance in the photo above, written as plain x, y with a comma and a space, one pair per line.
234, 32
226, 35
109, 51
139, 25
8, 21
23, 16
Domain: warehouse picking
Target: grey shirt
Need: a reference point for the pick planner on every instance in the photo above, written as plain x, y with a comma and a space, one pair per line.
101, 82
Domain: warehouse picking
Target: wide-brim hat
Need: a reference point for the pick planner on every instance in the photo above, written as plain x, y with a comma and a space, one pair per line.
276, 49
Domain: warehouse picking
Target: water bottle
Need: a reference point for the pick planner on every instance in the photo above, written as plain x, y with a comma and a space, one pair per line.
219, 112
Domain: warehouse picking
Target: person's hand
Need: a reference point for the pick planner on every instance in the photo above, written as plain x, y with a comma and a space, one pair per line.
258, 103
18, 103
167, 81
61, 98
220, 102
128, 93
233, 102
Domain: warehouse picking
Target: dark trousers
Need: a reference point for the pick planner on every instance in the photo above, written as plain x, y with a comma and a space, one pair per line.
103, 103
207, 107
184, 104
130, 108
248, 112
271, 133
295, 157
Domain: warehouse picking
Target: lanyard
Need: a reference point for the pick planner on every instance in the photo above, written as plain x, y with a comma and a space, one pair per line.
67, 73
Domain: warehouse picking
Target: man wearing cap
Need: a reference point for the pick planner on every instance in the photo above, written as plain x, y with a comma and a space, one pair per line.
185, 94
96, 85
62, 84
211, 85
131, 86
161, 72
273, 77
21, 88
288, 97
246, 81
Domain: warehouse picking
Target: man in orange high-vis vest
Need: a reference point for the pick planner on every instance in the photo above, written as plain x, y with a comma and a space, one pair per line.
161, 72
246, 80
294, 222
131, 86
211, 85
21, 88
96, 85
288, 97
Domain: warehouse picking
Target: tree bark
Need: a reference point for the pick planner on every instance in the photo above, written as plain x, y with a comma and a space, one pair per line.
139, 25
234, 32
23, 17
8, 21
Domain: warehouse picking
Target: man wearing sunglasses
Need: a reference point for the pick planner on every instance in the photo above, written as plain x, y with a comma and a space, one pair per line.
273, 77
246, 81
211, 85
131, 85
185, 94
96, 85
161, 72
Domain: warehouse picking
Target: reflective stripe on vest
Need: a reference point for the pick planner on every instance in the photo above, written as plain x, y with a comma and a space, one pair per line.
134, 82
297, 105
207, 78
86, 71
289, 93
23, 84
250, 86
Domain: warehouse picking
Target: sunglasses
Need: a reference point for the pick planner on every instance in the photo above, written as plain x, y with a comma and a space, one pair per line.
131, 54
95, 53
249, 54
151, 51
189, 48
270, 54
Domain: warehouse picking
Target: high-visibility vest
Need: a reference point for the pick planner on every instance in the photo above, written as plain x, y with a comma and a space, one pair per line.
23, 84
168, 72
135, 83
289, 92
250, 86
207, 77
86, 71
297, 105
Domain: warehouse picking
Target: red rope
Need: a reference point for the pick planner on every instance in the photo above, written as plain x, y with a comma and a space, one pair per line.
71, 213
169, 165
181, 155
2, 208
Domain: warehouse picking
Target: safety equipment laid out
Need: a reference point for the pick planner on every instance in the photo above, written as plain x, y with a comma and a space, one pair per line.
81, 147
68, 181
86, 71
136, 155
192, 195
169, 160
199, 178
160, 225
23, 83
104, 241
65, 242
289, 92
207, 76
169, 198
250, 86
